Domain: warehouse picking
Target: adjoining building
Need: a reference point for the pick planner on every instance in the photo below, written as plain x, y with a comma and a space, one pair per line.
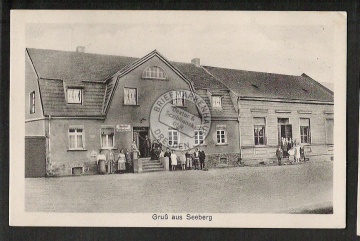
79, 103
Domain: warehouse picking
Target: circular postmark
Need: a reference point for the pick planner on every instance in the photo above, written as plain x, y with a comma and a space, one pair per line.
180, 120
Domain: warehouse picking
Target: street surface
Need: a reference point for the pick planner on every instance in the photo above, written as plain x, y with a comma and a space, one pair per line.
270, 189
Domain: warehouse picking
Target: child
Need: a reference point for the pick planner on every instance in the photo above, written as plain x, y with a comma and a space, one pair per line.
291, 155
173, 158
182, 160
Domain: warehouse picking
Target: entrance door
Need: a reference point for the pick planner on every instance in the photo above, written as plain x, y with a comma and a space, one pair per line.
35, 156
139, 135
284, 129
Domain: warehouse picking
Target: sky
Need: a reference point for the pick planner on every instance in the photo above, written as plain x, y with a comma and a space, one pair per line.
269, 42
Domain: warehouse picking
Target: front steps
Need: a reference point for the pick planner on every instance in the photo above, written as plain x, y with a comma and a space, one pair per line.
151, 165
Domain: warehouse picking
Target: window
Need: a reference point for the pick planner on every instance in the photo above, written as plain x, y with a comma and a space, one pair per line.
130, 96
199, 137
154, 72
216, 101
32, 102
329, 131
178, 98
259, 131
76, 138
305, 130
174, 137
107, 137
74, 96
221, 134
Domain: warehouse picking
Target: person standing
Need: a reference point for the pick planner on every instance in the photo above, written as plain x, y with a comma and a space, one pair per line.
196, 159
173, 158
128, 161
202, 158
182, 160
110, 161
297, 152
279, 154
101, 162
188, 160
121, 161
168, 155
147, 145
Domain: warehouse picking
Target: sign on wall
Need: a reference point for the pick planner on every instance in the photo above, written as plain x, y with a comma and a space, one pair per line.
123, 127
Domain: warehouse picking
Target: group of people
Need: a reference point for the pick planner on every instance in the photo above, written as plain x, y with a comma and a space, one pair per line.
109, 163
186, 159
291, 150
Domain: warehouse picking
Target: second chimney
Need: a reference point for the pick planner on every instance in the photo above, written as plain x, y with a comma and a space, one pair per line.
80, 49
196, 62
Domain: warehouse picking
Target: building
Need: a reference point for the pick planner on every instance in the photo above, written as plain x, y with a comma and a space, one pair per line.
80, 103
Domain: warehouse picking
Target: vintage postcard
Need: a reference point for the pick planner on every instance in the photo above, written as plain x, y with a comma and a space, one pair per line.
178, 119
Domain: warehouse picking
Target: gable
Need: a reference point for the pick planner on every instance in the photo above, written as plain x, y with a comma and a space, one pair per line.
136, 71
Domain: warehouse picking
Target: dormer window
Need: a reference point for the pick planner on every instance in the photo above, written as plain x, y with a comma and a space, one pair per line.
154, 72
216, 101
74, 96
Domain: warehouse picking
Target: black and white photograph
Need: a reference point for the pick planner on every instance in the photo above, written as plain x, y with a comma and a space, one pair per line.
178, 119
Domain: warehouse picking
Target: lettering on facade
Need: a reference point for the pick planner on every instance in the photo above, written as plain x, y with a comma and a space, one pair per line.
180, 119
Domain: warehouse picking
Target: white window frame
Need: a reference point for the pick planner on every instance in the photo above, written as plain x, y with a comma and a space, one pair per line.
171, 137
32, 102
213, 102
219, 130
107, 146
70, 100
76, 133
264, 135
178, 98
154, 72
125, 99
197, 137
309, 131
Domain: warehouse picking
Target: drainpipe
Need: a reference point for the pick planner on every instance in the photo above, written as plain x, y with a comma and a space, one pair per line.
49, 158
239, 128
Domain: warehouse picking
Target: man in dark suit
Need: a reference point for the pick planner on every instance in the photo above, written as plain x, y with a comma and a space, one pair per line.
202, 158
147, 145
279, 155
168, 154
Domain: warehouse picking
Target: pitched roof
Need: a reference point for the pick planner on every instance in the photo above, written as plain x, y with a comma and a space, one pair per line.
268, 85
74, 66
200, 78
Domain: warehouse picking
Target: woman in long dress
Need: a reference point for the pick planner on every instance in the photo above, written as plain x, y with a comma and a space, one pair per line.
121, 161
173, 158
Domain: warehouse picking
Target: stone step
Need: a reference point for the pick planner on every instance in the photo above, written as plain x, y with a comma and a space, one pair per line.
153, 169
152, 166
151, 162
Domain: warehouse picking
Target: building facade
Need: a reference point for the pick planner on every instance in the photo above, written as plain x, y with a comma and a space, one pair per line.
79, 104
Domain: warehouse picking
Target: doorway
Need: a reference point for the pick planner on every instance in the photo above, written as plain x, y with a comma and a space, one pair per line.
139, 136
284, 129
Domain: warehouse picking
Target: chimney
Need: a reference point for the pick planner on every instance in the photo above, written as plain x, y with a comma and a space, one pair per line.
196, 62
80, 49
